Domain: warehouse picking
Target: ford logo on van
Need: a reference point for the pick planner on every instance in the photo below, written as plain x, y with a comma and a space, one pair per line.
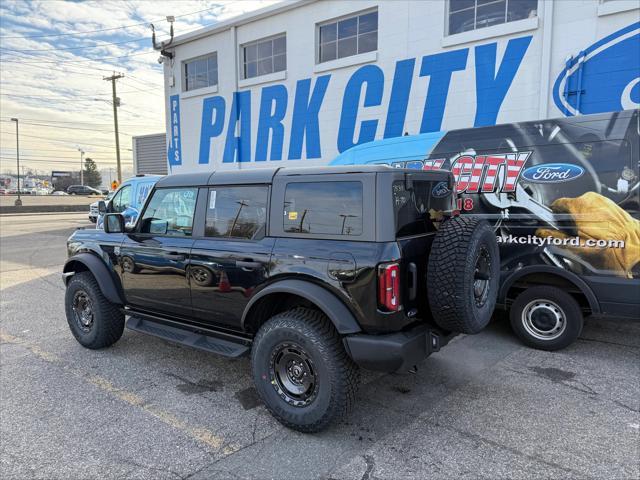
552, 173
602, 78
441, 189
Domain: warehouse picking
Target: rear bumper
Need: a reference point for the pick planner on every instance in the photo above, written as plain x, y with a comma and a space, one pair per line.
395, 351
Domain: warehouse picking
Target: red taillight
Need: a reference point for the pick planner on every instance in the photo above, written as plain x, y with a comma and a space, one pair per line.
389, 287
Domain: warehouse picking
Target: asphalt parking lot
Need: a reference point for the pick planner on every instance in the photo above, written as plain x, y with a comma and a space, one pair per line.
483, 407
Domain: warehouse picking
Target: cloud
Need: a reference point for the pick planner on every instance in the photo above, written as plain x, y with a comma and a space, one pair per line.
60, 85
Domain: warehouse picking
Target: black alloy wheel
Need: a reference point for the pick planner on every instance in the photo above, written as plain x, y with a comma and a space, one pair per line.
83, 310
481, 277
293, 375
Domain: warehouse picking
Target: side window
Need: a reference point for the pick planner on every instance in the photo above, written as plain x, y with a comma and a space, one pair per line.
170, 212
237, 212
122, 200
324, 208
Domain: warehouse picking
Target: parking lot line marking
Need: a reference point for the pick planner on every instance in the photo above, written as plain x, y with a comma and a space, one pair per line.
200, 434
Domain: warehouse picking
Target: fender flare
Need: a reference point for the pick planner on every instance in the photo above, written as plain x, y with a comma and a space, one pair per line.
594, 305
101, 273
343, 320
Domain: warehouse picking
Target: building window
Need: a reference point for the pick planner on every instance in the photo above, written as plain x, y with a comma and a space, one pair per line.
348, 36
201, 72
324, 208
465, 15
264, 56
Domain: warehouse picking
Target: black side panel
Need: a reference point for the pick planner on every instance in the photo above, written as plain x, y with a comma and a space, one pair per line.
101, 273
617, 295
337, 312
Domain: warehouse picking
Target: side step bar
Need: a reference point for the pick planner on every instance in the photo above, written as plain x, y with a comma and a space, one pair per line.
189, 337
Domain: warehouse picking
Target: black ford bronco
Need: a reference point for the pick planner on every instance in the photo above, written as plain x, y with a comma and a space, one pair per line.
313, 271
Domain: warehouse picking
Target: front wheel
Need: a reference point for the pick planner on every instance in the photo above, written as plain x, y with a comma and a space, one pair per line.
546, 318
93, 320
301, 370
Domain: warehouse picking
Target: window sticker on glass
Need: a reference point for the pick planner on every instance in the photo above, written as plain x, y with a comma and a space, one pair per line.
212, 199
293, 215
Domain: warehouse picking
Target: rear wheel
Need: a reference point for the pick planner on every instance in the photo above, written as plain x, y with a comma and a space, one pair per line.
546, 318
93, 320
301, 370
463, 275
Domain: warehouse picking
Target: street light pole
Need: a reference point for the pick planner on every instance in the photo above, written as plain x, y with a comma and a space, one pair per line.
18, 202
81, 166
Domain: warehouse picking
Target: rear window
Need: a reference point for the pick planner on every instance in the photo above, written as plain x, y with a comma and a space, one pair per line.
323, 208
417, 209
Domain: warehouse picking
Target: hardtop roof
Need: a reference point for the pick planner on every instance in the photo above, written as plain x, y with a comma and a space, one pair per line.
266, 175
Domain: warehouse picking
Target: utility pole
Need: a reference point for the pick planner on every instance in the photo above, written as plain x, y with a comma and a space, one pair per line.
18, 202
116, 102
81, 166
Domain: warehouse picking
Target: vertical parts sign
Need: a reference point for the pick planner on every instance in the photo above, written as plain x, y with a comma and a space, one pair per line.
174, 153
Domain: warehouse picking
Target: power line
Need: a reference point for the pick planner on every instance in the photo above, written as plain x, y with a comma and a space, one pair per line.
50, 155
12, 50
27, 120
66, 69
72, 128
156, 90
103, 29
72, 94
56, 140
75, 162
39, 149
143, 82
80, 61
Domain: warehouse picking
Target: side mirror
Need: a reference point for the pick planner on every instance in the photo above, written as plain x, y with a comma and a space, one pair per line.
113, 223
102, 207
158, 227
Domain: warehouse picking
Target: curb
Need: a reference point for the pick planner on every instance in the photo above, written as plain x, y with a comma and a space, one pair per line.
44, 208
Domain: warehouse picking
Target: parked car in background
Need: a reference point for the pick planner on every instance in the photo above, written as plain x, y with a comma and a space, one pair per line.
128, 199
82, 190
3, 191
93, 208
59, 192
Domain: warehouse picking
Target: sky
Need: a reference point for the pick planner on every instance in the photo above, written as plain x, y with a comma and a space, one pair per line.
53, 57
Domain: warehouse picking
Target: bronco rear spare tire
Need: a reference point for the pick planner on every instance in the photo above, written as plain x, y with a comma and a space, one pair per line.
463, 275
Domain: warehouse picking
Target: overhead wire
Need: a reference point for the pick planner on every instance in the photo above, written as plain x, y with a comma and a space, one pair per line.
48, 125
108, 124
106, 29
58, 140
28, 50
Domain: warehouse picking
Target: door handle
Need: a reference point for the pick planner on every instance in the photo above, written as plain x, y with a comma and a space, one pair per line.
175, 256
247, 264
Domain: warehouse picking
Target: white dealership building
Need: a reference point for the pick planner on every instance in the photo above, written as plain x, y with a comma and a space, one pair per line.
301, 81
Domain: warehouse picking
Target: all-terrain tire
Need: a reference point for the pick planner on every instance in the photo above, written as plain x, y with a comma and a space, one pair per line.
336, 377
463, 274
546, 318
103, 325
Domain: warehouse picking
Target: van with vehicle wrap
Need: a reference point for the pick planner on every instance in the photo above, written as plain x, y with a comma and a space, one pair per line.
128, 199
563, 198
